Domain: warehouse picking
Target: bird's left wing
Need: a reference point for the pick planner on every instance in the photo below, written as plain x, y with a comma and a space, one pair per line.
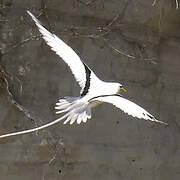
128, 107
80, 71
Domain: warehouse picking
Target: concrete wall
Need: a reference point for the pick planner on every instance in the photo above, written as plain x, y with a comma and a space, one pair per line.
132, 42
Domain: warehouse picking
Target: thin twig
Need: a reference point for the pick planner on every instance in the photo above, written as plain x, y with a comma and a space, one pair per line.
6, 75
113, 20
87, 3
3, 7
154, 2
160, 17
127, 55
103, 30
21, 43
119, 51
94, 36
25, 111
177, 4
19, 107
4, 20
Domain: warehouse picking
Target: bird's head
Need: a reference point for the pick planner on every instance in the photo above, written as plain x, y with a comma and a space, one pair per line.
117, 88
121, 88
114, 88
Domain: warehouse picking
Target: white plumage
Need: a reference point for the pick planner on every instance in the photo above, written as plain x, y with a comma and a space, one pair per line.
93, 90
65, 52
127, 106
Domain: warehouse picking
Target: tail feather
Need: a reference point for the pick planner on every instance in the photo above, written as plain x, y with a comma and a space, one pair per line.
35, 129
61, 106
62, 111
78, 110
88, 112
65, 105
67, 120
74, 118
79, 119
84, 118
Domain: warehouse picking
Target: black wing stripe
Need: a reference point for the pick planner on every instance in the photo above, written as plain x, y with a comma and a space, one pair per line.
87, 85
104, 96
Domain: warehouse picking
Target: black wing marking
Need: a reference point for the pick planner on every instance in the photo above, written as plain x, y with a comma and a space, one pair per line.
88, 79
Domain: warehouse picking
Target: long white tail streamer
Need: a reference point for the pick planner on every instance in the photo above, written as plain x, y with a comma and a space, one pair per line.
34, 129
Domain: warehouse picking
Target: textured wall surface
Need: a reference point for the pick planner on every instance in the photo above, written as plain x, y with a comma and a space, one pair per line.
128, 41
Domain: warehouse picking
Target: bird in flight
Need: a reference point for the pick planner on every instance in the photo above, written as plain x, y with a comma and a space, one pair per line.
93, 90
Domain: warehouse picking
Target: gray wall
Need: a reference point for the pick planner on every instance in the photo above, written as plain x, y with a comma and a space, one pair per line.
138, 45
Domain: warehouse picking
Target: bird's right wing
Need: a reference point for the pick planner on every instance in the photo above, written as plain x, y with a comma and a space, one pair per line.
128, 107
80, 71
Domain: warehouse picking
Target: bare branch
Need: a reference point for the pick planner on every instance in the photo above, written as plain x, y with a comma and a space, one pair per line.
6, 75
94, 36
21, 43
176, 1
4, 20
154, 2
3, 7
113, 20
102, 30
177, 4
87, 3
152, 60
119, 51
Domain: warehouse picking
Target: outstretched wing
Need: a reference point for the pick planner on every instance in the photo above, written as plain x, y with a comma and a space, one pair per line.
80, 71
128, 107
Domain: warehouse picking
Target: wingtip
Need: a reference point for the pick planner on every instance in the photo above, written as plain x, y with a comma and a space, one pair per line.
153, 119
29, 12
161, 122
32, 16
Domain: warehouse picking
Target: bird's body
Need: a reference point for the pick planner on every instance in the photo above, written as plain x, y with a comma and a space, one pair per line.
93, 90
79, 108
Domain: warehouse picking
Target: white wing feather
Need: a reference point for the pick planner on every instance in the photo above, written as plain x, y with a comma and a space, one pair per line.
128, 107
64, 51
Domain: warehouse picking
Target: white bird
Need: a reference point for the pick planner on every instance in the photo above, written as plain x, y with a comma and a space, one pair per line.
93, 90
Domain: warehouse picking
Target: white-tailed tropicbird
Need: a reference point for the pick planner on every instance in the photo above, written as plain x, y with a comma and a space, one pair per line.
93, 90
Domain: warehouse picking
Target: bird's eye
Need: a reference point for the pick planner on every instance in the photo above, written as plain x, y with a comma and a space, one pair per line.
122, 89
